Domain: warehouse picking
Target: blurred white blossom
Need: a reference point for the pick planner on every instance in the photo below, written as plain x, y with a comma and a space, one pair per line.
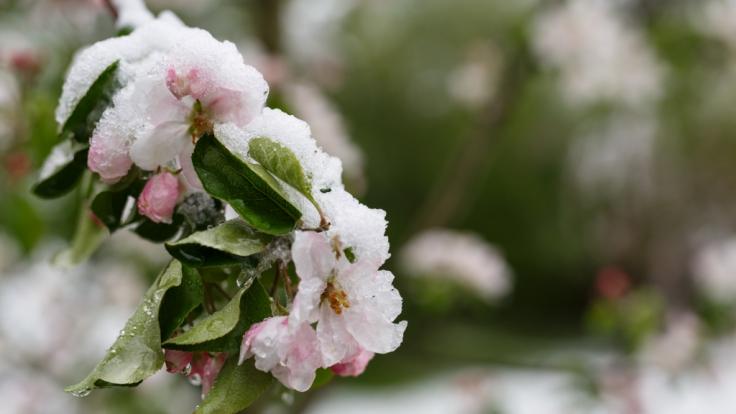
615, 156
462, 257
473, 82
716, 19
599, 55
675, 348
714, 269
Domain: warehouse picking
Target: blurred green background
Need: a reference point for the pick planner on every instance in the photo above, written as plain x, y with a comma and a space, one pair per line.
586, 145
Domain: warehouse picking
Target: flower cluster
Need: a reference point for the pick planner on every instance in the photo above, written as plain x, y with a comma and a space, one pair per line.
177, 85
352, 304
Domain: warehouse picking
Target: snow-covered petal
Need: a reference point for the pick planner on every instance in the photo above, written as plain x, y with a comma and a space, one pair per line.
290, 354
108, 153
160, 145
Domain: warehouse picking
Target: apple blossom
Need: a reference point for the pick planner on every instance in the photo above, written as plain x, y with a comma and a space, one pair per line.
354, 304
159, 196
291, 354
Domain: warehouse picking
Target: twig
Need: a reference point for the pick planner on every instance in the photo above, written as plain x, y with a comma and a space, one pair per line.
221, 291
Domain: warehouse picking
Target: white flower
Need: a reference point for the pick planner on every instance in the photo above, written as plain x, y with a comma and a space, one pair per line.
355, 304
714, 268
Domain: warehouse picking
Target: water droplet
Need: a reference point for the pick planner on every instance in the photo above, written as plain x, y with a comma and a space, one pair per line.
81, 393
195, 379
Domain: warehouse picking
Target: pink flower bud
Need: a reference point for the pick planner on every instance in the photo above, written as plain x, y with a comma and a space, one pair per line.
108, 156
353, 366
158, 199
205, 368
177, 361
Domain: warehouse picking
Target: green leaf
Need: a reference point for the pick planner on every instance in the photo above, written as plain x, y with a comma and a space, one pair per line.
281, 162
83, 119
108, 206
236, 388
254, 193
159, 232
62, 170
180, 301
223, 330
229, 243
136, 354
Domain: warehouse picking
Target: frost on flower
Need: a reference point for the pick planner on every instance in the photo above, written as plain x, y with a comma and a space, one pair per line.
354, 304
594, 49
178, 82
290, 354
461, 257
357, 226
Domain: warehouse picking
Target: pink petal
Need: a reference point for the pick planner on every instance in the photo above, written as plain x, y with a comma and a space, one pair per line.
177, 361
353, 366
248, 339
211, 368
158, 198
108, 155
291, 355
187, 168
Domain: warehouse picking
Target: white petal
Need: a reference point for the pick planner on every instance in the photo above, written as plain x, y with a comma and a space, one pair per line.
374, 304
312, 255
306, 303
160, 145
334, 340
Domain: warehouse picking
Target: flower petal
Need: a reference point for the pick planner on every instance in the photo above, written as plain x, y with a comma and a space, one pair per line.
353, 365
160, 145
158, 198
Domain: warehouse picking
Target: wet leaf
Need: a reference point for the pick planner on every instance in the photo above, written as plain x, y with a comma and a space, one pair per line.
251, 190
223, 330
136, 353
229, 243
236, 388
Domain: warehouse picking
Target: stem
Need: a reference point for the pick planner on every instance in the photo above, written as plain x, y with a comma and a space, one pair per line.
452, 190
221, 291
284, 273
209, 306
